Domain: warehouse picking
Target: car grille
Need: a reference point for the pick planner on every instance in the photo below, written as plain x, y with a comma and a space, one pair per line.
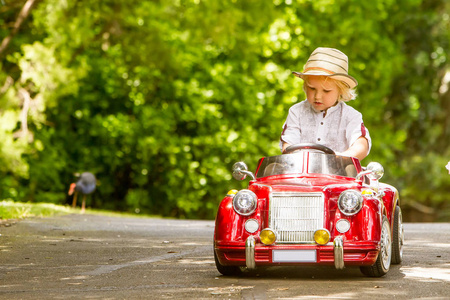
296, 216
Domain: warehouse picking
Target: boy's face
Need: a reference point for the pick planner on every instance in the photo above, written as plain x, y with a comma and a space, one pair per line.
321, 92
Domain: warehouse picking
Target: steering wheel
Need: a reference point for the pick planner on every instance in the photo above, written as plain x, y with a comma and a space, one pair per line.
312, 146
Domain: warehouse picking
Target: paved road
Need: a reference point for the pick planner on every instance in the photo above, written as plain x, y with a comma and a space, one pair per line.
98, 257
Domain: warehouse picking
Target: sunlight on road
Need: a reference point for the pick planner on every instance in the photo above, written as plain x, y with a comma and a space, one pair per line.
422, 242
348, 295
195, 261
428, 274
227, 291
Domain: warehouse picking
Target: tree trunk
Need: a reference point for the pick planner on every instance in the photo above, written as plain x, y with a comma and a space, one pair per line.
24, 12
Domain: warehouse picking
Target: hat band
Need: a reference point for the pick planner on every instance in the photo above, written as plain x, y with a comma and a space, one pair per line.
319, 69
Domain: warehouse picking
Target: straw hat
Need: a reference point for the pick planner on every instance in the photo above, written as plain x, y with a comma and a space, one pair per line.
328, 62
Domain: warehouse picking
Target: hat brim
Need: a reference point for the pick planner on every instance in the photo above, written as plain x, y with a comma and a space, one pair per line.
349, 80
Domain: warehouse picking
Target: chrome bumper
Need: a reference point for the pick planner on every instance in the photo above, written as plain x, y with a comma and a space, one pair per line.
250, 252
338, 252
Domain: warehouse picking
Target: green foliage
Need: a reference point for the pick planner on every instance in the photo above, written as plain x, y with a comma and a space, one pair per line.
160, 98
18, 210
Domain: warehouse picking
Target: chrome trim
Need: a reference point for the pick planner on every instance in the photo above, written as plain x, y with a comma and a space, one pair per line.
339, 252
376, 169
386, 244
249, 174
296, 216
250, 253
362, 174
240, 171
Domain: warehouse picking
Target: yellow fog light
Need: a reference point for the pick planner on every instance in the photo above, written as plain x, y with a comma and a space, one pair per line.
367, 192
321, 236
232, 193
268, 236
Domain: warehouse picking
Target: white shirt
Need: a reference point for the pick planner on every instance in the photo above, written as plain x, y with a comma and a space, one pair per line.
341, 126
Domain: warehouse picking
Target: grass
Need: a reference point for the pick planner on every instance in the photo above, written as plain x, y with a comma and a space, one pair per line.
19, 210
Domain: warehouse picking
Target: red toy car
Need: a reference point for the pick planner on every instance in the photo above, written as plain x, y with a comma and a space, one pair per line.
309, 206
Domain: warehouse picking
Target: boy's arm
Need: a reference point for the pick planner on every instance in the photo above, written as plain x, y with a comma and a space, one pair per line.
359, 149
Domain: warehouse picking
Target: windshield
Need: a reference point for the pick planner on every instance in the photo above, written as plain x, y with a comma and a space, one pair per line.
307, 162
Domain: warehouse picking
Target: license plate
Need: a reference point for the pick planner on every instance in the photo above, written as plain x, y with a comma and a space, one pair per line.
294, 256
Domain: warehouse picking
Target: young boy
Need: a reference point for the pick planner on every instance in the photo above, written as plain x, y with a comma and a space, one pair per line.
324, 118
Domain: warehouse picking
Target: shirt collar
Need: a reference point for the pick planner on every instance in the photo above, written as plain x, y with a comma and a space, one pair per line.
330, 110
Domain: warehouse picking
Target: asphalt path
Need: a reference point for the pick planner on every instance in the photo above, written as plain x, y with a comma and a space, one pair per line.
98, 257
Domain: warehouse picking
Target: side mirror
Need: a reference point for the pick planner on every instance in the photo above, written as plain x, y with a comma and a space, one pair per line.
373, 171
240, 171
376, 171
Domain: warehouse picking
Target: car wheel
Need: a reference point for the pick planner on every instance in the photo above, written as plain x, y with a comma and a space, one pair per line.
398, 237
226, 270
381, 266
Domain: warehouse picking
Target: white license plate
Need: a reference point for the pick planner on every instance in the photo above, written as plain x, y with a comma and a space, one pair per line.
294, 256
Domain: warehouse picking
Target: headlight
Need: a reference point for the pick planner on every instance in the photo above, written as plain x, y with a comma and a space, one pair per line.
268, 236
343, 225
350, 202
244, 203
251, 226
321, 236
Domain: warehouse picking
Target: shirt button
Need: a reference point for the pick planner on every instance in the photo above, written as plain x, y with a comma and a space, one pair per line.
318, 139
321, 123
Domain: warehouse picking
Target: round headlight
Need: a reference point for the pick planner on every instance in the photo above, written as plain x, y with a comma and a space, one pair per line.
350, 202
342, 225
244, 203
251, 225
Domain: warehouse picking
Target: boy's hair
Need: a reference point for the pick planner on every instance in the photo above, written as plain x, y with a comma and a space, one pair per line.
346, 93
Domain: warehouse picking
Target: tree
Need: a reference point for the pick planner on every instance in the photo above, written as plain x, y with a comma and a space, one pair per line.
160, 98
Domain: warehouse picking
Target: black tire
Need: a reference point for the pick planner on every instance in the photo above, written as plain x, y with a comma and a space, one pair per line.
397, 237
383, 263
226, 270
